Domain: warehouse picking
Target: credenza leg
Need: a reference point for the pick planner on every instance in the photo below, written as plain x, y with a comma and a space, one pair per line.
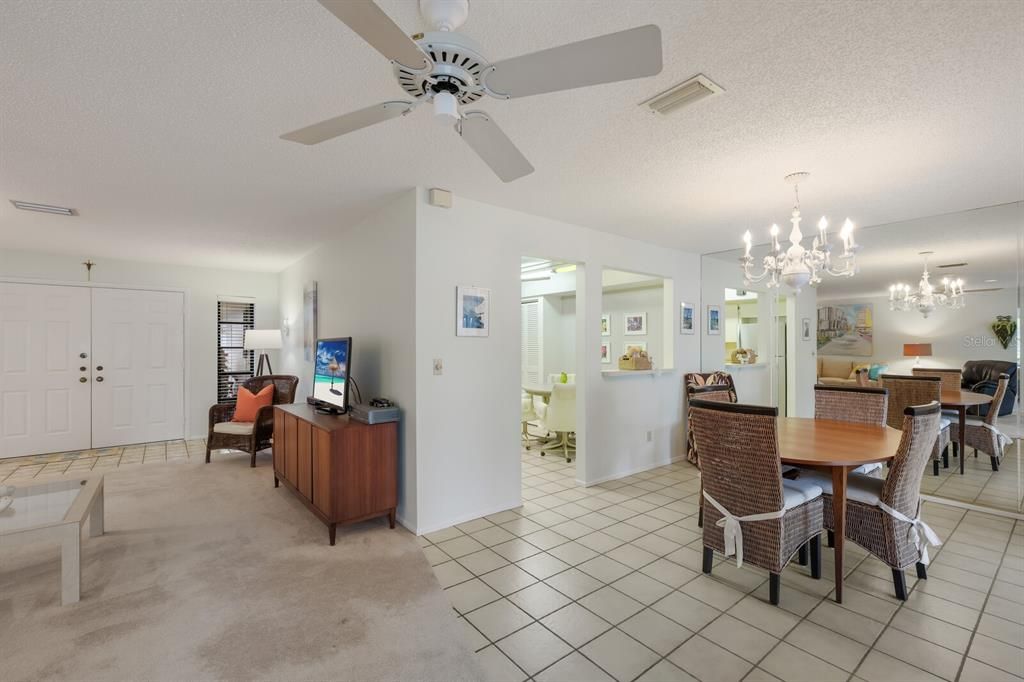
331, 530
391, 518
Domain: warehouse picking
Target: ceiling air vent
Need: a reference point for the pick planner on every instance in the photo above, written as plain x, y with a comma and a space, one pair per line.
679, 96
952, 265
42, 208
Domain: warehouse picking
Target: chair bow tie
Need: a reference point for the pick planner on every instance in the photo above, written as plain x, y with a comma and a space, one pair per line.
917, 526
732, 531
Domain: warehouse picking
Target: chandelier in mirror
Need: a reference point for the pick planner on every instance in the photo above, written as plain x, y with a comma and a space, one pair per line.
924, 299
796, 266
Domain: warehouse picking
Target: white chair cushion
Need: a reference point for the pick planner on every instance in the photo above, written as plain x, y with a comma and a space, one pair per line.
944, 423
233, 428
795, 493
867, 468
866, 489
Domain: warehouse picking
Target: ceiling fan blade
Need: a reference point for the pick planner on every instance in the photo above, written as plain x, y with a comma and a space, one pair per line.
633, 53
375, 27
346, 123
492, 145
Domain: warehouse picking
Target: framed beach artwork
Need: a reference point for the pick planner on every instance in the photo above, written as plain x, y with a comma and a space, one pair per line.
606, 324
606, 353
846, 329
635, 324
309, 321
686, 325
714, 319
472, 311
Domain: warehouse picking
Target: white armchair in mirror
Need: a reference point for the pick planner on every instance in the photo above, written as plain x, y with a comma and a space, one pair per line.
528, 415
559, 417
557, 378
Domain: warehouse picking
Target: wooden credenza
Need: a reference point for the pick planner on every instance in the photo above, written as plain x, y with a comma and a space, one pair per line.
344, 471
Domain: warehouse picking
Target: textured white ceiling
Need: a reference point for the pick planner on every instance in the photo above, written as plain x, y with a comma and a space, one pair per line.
159, 121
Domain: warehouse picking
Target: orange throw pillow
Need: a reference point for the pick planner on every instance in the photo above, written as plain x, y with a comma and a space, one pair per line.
247, 404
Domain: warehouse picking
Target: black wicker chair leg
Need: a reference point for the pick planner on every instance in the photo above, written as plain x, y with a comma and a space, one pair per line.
207, 451
700, 516
975, 453
956, 448
922, 571
816, 557
709, 555
252, 449
801, 555
995, 463
945, 456
935, 467
774, 584
831, 541
899, 581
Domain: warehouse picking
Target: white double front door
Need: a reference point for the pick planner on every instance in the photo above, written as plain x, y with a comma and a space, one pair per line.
88, 367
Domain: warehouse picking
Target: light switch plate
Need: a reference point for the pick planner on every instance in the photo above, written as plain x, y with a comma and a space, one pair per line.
438, 366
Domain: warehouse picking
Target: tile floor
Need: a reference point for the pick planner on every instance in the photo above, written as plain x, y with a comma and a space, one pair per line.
979, 484
18, 469
604, 583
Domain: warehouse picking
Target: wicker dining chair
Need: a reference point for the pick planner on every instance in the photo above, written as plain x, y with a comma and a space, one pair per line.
249, 437
981, 433
750, 509
951, 378
905, 391
716, 386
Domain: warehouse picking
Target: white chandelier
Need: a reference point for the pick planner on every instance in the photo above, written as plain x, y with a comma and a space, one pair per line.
797, 266
925, 299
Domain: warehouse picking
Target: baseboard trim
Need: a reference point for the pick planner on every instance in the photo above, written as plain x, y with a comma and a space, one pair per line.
469, 517
973, 507
637, 470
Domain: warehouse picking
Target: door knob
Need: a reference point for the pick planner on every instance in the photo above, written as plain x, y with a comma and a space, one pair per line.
83, 355
99, 368
82, 380
99, 378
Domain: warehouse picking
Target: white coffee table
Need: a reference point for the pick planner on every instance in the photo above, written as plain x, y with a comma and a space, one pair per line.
54, 512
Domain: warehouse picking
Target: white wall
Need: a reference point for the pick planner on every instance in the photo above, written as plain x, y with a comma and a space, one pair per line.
202, 287
468, 418
956, 335
366, 290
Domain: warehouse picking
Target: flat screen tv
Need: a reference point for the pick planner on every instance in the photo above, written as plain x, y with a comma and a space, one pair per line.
330, 373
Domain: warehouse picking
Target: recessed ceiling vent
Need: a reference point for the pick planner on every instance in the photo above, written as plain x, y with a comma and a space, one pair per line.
697, 88
952, 265
43, 208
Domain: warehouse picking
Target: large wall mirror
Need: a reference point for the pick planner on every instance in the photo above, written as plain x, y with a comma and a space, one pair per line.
878, 321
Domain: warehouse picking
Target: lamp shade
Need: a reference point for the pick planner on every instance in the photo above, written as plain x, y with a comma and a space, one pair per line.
262, 339
917, 350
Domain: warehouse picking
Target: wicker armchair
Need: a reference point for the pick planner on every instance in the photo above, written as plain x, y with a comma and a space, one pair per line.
981, 433
750, 509
716, 386
951, 378
255, 436
905, 391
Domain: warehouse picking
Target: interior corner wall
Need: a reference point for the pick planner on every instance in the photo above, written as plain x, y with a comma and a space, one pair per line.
365, 288
202, 287
467, 425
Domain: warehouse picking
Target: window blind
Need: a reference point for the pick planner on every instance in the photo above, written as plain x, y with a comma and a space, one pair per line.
234, 363
530, 347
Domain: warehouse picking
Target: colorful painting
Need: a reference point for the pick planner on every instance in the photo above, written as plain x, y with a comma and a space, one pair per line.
606, 353
686, 318
606, 324
846, 329
635, 324
714, 319
472, 314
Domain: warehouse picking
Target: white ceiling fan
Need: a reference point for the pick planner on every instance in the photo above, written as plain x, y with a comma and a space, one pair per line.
448, 69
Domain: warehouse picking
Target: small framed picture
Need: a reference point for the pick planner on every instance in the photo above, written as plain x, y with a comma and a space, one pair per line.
635, 324
630, 346
714, 319
805, 329
606, 324
686, 318
606, 353
472, 311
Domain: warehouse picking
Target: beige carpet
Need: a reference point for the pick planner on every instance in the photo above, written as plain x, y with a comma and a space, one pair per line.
208, 572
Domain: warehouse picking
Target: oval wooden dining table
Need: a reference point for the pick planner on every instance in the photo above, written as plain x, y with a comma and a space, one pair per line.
837, 448
960, 401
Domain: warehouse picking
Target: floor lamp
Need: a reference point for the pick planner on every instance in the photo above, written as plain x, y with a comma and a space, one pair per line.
262, 340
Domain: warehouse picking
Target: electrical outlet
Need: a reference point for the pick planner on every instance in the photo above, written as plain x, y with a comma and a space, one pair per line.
650, 436
438, 366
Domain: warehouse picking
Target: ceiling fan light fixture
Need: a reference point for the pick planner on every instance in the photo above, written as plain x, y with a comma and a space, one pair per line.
446, 108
